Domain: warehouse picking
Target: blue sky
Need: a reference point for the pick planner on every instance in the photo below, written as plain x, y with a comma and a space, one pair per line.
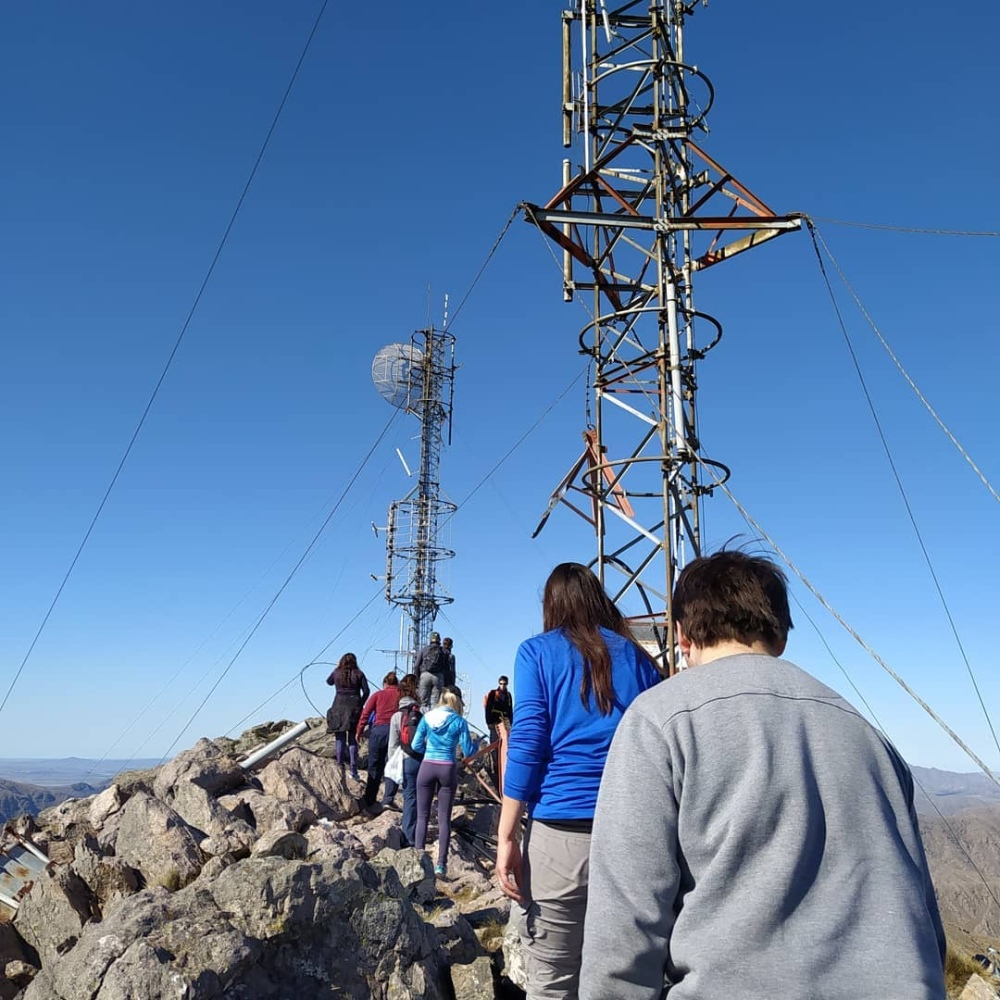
406, 142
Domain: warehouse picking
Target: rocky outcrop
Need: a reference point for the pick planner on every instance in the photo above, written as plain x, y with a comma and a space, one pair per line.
977, 989
198, 879
263, 928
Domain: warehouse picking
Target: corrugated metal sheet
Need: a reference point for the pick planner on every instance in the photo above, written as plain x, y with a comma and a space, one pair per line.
21, 862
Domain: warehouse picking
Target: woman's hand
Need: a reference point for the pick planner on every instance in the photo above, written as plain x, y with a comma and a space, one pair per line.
508, 868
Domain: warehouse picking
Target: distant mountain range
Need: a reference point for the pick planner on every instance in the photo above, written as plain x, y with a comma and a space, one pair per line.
18, 798
29, 785
947, 791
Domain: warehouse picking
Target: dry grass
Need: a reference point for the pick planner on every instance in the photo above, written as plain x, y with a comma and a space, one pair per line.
957, 969
170, 880
491, 934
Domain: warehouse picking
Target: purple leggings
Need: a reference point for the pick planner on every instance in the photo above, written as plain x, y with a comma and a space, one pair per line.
442, 777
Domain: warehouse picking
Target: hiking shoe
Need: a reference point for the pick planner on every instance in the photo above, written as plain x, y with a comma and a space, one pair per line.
440, 870
355, 775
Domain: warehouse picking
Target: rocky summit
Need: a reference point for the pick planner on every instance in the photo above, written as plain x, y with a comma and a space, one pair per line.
201, 880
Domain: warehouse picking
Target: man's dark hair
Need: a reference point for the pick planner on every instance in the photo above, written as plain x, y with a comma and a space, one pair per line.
730, 595
503, 679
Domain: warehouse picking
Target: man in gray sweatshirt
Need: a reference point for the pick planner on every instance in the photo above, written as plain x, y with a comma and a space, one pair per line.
755, 837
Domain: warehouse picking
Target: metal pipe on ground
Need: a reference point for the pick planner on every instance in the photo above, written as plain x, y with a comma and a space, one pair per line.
258, 755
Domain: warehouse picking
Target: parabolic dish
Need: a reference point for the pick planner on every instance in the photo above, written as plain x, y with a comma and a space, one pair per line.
398, 375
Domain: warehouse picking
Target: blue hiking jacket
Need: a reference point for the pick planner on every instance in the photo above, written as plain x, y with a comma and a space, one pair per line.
558, 746
440, 733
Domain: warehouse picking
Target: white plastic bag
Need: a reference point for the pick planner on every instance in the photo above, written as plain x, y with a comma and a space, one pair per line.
394, 766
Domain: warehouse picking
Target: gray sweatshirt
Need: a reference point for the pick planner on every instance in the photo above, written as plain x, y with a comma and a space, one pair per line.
755, 837
395, 722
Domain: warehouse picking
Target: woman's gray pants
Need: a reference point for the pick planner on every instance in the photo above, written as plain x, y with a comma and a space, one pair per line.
556, 870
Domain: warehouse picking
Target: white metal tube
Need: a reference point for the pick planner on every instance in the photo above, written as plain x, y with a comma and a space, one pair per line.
266, 751
677, 398
586, 86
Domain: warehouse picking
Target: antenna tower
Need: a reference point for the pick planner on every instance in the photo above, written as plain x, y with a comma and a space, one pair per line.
644, 212
419, 378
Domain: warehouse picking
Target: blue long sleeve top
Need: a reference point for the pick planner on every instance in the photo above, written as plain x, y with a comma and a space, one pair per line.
558, 746
440, 733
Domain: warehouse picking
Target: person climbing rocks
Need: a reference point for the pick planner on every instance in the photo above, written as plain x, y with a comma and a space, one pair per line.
402, 730
755, 836
344, 714
440, 733
430, 666
379, 707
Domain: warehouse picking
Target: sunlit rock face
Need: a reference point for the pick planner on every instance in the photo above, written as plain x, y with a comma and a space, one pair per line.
200, 879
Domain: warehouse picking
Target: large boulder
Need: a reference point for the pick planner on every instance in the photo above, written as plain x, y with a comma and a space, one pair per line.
108, 878
52, 916
205, 765
224, 832
309, 782
413, 868
473, 981
155, 944
155, 840
264, 928
265, 812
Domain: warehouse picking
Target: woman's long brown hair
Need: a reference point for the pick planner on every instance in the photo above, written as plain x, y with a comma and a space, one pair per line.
349, 662
575, 602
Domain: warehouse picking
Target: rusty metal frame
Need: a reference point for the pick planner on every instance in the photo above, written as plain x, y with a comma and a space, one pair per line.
644, 211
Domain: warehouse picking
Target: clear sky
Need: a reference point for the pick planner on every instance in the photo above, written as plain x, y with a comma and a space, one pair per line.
410, 135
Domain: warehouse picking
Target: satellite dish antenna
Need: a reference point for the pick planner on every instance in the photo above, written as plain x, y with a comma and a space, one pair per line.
398, 374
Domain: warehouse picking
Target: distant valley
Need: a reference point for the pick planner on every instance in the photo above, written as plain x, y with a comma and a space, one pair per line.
29, 785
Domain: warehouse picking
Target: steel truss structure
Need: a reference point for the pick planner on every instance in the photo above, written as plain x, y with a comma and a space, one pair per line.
645, 211
420, 379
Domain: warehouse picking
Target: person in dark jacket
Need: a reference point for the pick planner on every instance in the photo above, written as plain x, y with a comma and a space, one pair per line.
344, 714
430, 666
380, 708
450, 676
498, 706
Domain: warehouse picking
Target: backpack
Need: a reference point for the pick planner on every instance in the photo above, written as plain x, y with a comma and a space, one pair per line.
408, 722
433, 660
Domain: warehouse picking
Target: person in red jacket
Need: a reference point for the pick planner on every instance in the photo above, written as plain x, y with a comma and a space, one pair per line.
384, 704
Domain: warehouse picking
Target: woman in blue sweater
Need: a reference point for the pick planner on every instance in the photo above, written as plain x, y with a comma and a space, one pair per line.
574, 682
441, 731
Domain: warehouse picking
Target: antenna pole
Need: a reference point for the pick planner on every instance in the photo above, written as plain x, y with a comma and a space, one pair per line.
644, 212
419, 377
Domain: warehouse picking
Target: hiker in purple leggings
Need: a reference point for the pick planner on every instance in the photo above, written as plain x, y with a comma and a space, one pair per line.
441, 731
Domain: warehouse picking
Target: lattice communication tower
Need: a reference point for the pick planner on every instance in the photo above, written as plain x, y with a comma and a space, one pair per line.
419, 378
644, 211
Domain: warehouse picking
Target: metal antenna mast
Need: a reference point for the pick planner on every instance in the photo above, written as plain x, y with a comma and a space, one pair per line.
419, 377
645, 210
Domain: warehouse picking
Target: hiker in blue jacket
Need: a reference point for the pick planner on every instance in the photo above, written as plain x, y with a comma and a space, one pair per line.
441, 731
574, 682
